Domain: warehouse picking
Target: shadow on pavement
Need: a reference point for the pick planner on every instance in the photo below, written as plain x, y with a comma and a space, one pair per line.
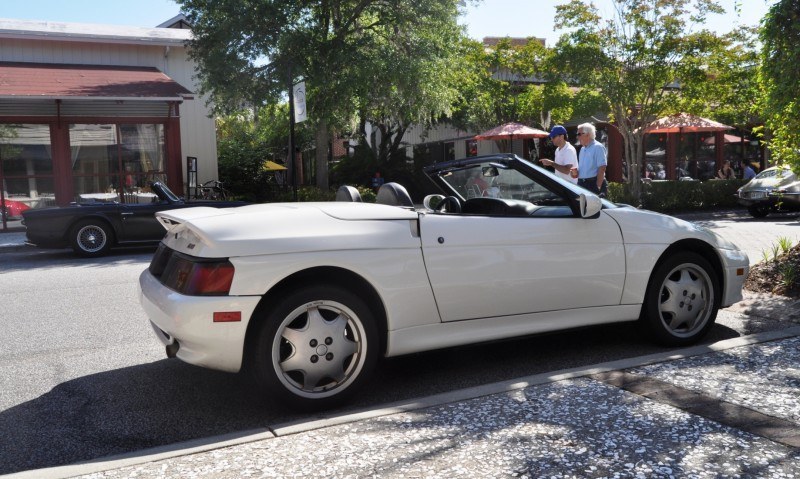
167, 402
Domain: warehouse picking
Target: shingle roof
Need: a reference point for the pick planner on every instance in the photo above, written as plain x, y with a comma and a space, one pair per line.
57, 81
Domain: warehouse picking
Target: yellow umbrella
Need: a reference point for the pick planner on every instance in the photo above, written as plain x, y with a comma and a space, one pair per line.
272, 166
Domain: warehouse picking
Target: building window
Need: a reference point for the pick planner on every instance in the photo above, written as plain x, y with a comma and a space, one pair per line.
449, 151
115, 162
472, 148
26, 169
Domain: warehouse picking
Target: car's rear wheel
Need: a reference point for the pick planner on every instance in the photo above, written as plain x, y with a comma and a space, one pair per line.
682, 300
315, 348
90, 238
758, 211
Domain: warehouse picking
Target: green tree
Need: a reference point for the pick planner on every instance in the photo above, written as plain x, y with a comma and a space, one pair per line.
633, 58
381, 60
516, 83
246, 140
780, 77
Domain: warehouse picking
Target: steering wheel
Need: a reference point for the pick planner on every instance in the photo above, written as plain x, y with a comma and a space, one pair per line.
450, 204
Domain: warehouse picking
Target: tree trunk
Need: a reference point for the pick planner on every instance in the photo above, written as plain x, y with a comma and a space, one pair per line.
322, 142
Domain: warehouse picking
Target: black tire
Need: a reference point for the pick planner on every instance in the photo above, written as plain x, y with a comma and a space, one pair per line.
91, 238
682, 300
758, 211
315, 348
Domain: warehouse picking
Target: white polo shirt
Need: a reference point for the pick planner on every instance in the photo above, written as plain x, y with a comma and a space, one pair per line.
566, 155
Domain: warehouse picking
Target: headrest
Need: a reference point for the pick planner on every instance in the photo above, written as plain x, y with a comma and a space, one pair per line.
394, 194
348, 193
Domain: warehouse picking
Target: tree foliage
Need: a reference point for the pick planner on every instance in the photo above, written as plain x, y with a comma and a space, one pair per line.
780, 76
516, 83
379, 61
648, 60
245, 141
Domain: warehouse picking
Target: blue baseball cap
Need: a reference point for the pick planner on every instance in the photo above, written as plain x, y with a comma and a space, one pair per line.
557, 130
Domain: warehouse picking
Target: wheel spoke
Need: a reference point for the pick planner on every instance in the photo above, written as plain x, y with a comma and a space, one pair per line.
685, 306
320, 350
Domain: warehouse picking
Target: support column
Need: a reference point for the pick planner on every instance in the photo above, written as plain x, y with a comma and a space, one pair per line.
62, 163
615, 144
172, 138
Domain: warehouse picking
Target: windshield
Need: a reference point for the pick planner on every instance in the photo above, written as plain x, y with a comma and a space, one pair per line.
774, 172
494, 180
166, 191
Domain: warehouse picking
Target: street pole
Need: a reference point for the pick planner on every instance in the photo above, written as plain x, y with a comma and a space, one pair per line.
292, 156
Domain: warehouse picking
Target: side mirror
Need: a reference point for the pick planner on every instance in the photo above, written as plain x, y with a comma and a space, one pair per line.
590, 205
490, 171
431, 202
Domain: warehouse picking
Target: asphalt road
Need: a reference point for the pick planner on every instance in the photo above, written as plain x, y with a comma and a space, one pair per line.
83, 377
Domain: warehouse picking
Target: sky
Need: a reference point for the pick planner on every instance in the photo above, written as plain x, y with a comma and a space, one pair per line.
515, 18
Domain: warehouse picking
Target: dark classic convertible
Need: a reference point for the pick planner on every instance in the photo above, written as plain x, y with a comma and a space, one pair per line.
92, 228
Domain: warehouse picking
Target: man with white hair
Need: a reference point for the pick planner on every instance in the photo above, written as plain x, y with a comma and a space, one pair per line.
592, 161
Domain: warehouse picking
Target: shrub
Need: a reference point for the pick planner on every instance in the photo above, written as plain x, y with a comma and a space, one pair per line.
670, 196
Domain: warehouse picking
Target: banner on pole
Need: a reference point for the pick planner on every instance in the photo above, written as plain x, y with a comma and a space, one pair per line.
300, 102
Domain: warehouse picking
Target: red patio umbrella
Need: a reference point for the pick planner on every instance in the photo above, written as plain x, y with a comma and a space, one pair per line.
685, 123
509, 131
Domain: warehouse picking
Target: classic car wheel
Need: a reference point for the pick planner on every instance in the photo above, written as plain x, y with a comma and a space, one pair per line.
91, 238
315, 348
758, 211
682, 300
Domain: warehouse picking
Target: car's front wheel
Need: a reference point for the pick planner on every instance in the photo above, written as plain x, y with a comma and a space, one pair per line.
758, 211
90, 238
315, 347
682, 300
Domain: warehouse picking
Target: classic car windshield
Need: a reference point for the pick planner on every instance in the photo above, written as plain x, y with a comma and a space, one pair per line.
769, 173
494, 180
166, 191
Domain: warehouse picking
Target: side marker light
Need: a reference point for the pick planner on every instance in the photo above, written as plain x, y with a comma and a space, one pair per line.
227, 316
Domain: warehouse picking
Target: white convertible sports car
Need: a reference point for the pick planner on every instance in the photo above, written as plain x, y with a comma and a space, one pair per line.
308, 296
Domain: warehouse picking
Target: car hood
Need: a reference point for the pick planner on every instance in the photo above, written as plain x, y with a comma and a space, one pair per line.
770, 182
643, 226
276, 228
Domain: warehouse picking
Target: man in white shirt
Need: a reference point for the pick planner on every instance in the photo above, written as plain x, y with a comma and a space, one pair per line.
565, 158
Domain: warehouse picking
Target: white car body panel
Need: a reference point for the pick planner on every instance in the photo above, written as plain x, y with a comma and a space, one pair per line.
251, 230
398, 276
190, 318
436, 336
648, 234
522, 265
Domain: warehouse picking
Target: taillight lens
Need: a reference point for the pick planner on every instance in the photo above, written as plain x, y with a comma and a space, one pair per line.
198, 276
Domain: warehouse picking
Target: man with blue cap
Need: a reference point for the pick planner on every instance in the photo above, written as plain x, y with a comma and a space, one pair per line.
565, 158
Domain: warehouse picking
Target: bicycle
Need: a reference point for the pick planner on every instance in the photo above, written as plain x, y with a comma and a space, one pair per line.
213, 190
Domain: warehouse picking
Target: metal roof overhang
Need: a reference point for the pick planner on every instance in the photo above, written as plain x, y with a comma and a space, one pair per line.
45, 81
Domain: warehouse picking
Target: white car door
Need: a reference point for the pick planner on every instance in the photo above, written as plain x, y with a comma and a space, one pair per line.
484, 266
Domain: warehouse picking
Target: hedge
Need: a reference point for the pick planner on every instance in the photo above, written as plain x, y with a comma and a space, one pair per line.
668, 196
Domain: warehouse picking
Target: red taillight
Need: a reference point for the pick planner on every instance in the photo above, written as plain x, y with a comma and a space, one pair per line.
191, 277
215, 278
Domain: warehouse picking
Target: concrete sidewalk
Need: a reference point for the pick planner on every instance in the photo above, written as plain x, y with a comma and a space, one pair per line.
731, 409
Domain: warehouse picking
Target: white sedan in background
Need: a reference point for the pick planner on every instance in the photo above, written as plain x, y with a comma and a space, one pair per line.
308, 296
